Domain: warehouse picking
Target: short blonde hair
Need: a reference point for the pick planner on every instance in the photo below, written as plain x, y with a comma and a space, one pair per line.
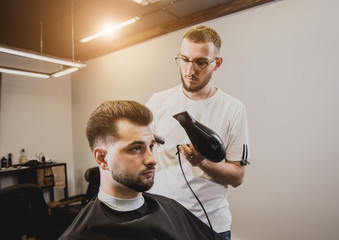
201, 34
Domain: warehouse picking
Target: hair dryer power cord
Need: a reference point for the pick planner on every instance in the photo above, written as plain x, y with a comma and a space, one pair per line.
202, 206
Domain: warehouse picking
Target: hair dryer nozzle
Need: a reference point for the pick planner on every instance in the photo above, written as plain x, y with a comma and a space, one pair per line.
204, 139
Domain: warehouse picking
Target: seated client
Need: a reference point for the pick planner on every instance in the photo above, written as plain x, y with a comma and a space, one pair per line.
121, 140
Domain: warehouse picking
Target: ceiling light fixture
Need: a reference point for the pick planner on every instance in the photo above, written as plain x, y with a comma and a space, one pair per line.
71, 66
110, 29
24, 73
145, 2
142, 2
41, 57
64, 72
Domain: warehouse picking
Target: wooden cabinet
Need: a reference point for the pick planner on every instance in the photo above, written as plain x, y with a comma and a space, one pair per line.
45, 175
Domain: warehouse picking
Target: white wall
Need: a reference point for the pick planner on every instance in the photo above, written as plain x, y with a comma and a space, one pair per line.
281, 60
36, 115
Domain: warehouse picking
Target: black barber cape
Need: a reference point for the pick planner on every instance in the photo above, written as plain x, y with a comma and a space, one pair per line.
159, 218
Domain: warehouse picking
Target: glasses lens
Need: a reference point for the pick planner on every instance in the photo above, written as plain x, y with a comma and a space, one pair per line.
197, 64
179, 62
200, 64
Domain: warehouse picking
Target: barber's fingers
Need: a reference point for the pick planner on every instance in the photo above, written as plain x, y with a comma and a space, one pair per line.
191, 150
188, 151
191, 155
194, 152
185, 151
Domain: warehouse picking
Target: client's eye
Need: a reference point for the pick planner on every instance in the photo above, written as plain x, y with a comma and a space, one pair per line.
151, 147
137, 148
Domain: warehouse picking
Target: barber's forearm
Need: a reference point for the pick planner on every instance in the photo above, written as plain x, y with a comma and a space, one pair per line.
225, 173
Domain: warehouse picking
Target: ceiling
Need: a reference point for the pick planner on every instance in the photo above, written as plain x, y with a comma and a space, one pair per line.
55, 27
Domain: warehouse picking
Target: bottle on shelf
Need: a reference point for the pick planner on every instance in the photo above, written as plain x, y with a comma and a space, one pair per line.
23, 159
3, 162
9, 160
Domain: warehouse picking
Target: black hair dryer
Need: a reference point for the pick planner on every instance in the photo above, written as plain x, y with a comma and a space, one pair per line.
205, 140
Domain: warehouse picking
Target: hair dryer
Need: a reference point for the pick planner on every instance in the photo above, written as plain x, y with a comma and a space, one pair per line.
205, 140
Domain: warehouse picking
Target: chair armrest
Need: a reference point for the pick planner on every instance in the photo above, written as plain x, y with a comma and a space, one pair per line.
67, 201
72, 197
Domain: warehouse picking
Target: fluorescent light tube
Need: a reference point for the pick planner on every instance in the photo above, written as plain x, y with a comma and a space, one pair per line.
141, 2
64, 72
145, 2
109, 30
41, 57
24, 73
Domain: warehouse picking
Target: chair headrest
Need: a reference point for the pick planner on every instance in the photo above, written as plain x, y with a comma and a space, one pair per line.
92, 175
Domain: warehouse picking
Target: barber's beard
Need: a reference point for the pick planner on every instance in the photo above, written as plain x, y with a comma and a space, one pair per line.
131, 181
196, 88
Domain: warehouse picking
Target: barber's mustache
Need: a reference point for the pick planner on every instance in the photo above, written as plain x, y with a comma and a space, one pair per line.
194, 77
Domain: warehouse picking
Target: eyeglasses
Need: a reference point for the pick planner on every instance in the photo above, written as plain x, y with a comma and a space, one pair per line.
198, 64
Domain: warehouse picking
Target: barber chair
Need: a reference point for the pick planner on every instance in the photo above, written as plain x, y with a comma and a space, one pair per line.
64, 211
24, 213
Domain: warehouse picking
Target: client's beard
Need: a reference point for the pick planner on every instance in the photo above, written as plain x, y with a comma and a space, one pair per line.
131, 182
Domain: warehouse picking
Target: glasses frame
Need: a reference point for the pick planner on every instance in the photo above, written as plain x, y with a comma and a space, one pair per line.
194, 62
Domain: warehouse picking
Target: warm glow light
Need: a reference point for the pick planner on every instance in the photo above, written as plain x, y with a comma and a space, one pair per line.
41, 57
145, 2
64, 72
110, 29
24, 73
141, 2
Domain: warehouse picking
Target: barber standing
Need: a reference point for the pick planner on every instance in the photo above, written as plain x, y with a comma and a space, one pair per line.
197, 60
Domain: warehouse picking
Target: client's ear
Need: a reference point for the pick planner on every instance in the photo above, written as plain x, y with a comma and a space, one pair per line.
99, 156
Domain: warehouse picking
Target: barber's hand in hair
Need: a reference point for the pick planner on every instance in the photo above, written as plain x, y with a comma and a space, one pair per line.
192, 156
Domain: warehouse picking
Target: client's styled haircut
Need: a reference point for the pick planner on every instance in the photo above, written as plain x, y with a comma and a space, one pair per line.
202, 34
101, 126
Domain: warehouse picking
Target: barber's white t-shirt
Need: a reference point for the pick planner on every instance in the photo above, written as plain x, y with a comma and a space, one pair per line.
223, 114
